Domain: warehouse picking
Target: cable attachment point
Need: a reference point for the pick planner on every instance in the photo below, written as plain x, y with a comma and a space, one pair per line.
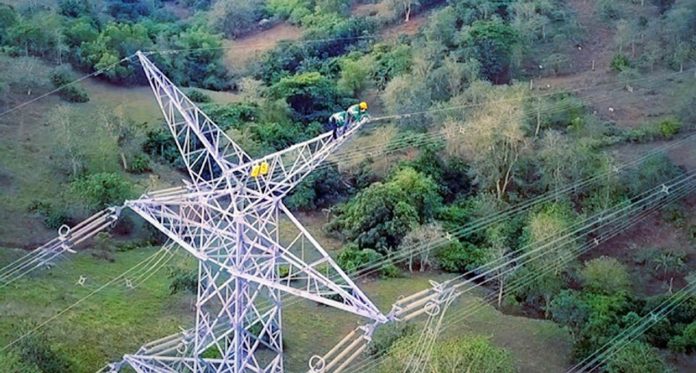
63, 232
432, 309
665, 189
316, 364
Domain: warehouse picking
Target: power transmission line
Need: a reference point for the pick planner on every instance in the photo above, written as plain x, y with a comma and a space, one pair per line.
656, 195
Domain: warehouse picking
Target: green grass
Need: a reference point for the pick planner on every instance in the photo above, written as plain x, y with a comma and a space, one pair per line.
112, 322
117, 320
30, 147
535, 345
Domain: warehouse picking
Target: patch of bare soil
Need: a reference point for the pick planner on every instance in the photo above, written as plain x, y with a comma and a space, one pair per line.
654, 232
627, 105
371, 10
683, 363
405, 28
178, 10
243, 50
683, 155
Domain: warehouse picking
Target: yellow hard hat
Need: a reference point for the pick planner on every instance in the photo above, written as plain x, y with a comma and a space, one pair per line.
363, 105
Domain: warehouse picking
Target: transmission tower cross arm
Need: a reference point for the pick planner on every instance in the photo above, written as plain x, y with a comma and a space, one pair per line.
276, 174
206, 150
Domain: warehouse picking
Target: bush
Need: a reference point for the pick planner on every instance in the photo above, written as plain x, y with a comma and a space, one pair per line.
36, 348
10, 362
663, 130
183, 280
620, 63
160, 144
390, 270
60, 77
323, 187
459, 256
686, 342
605, 275
669, 127
386, 335
352, 259
198, 96
667, 264
656, 170
380, 216
139, 164
608, 9
283, 271
472, 354
53, 217
636, 357
102, 189
103, 247
460, 354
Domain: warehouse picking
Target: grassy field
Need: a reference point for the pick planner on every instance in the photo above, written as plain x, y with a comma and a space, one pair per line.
113, 321
118, 320
31, 144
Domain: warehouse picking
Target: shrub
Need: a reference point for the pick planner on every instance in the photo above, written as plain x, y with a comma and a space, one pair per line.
103, 247
101, 190
620, 63
664, 130
380, 216
198, 96
651, 173
139, 164
686, 342
669, 127
605, 275
73, 93
352, 259
667, 264
386, 335
472, 354
183, 280
390, 270
11, 362
569, 309
460, 354
636, 357
60, 77
320, 189
608, 9
283, 271
160, 144
459, 256
37, 349
53, 217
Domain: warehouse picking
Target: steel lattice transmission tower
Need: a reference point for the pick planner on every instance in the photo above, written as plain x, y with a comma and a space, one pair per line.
229, 218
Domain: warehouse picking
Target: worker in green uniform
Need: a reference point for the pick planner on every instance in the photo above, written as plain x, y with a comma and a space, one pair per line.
357, 112
337, 122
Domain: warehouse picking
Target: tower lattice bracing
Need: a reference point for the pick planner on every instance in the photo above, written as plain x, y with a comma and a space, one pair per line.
229, 217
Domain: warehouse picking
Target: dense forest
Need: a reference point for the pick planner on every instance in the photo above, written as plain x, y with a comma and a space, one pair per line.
523, 132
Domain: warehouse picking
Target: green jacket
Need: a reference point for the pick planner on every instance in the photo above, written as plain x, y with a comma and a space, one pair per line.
340, 118
355, 113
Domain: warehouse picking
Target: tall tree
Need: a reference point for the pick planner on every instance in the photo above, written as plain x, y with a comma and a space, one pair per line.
492, 139
550, 247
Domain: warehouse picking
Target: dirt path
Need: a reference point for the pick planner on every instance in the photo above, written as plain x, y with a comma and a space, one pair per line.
241, 51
